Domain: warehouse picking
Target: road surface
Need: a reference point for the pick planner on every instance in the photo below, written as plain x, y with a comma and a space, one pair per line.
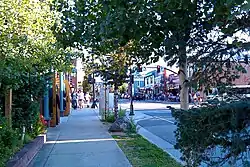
161, 122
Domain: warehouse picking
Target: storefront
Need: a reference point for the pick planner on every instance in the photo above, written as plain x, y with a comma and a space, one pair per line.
173, 84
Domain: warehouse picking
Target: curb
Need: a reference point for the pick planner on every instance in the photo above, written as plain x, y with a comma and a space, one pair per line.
23, 157
160, 143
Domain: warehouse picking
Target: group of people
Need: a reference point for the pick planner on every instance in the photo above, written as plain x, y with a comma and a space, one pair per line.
194, 97
80, 98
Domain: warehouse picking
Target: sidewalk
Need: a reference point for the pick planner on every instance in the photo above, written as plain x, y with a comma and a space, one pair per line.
80, 141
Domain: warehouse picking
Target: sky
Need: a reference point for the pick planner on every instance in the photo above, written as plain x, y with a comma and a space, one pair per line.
162, 63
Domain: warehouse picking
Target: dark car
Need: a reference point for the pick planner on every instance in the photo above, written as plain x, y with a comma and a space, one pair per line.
138, 96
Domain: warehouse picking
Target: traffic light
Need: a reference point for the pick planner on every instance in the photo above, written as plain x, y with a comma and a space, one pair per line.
139, 68
71, 82
246, 59
158, 69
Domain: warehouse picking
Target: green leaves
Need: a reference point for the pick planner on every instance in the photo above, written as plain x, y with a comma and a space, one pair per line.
160, 28
200, 130
115, 68
26, 40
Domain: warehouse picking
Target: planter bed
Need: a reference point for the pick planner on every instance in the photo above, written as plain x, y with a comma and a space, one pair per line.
23, 157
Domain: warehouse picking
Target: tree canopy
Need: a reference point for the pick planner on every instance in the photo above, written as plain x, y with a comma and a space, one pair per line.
27, 42
214, 135
205, 35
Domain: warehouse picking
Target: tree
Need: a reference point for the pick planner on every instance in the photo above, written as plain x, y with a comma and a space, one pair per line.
214, 135
114, 71
28, 53
191, 32
112, 67
26, 40
123, 88
86, 87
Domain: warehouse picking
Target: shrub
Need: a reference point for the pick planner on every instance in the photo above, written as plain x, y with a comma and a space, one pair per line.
201, 130
121, 113
111, 117
132, 129
28, 117
9, 142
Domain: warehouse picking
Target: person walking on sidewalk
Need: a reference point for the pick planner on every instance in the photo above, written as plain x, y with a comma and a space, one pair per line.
74, 99
87, 98
81, 99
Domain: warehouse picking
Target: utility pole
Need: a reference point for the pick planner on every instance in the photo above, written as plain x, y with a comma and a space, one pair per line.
131, 95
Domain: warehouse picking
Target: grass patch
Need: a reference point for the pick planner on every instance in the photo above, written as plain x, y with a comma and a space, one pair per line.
141, 153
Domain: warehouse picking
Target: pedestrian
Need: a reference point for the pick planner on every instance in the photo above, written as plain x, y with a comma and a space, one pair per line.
80, 99
195, 99
87, 98
94, 104
74, 99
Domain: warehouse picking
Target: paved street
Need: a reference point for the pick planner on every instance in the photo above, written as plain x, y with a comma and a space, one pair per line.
160, 121
147, 105
157, 124
160, 125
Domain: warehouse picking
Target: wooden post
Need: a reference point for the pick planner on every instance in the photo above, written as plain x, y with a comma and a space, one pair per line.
67, 109
8, 106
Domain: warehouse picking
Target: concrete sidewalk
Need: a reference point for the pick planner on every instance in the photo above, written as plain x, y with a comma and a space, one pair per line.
81, 141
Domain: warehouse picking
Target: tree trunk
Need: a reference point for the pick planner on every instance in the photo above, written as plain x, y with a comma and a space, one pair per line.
116, 101
8, 107
183, 76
